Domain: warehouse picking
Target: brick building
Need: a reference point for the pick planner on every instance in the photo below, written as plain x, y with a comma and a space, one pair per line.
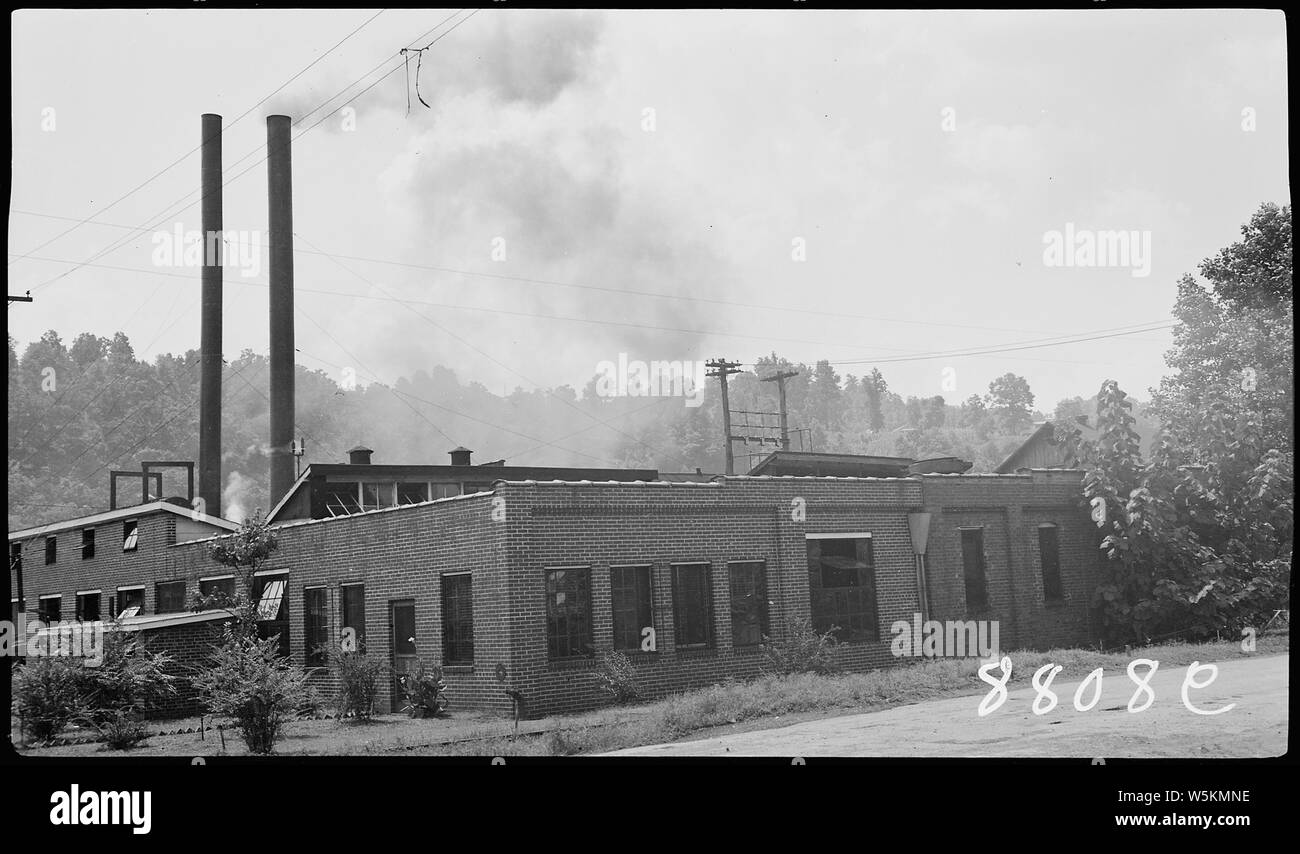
521, 588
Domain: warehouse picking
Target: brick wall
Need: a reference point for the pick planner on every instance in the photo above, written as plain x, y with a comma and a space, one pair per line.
507, 539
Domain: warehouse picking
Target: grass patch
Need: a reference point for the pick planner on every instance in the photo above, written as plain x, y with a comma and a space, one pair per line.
770, 697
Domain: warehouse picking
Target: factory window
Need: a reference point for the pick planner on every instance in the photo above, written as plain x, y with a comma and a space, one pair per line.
16, 557
629, 588
130, 602
568, 612
471, 488
376, 496
341, 498
51, 550
87, 543
88, 606
49, 609
353, 611
221, 590
315, 625
457, 619
169, 597
130, 536
412, 493
446, 490
692, 605
272, 609
842, 586
748, 602
1049, 556
972, 565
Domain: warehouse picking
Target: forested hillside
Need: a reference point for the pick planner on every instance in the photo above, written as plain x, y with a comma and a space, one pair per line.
78, 410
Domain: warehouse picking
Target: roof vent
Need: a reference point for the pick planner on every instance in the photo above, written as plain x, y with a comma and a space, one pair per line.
359, 456
460, 456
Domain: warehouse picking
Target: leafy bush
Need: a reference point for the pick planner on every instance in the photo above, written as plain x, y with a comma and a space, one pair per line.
259, 689
802, 650
121, 730
359, 679
49, 692
130, 680
617, 679
422, 690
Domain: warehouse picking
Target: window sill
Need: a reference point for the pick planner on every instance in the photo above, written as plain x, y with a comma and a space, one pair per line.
584, 663
639, 656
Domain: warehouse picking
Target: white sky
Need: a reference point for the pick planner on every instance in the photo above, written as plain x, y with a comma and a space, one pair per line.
768, 126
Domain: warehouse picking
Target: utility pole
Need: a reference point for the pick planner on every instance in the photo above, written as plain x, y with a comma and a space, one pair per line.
722, 369
779, 378
27, 298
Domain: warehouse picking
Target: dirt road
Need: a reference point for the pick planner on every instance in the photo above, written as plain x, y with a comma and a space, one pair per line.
1256, 727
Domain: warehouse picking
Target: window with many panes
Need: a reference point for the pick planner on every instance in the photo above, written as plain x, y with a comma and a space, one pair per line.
88, 606
458, 618
169, 597
130, 536
1049, 557
220, 590
412, 493
842, 586
568, 612
748, 602
973, 569
342, 499
315, 625
376, 496
629, 588
130, 601
352, 611
49, 609
692, 605
272, 608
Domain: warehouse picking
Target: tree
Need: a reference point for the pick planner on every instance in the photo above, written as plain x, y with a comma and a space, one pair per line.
875, 387
1234, 341
1009, 402
1069, 409
934, 413
1193, 549
244, 552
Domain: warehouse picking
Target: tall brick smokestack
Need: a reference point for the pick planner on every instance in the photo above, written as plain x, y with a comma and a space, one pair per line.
210, 360
280, 200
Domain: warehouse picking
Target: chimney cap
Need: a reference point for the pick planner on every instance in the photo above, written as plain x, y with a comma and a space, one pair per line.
361, 447
460, 449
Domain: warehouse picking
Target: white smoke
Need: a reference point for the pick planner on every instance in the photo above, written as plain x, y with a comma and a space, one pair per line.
239, 494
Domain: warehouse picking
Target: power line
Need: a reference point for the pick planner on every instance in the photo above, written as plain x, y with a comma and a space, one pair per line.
184, 156
1006, 349
785, 309
171, 213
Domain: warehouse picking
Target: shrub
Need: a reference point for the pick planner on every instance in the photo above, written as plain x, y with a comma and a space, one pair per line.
129, 680
259, 689
359, 677
422, 690
617, 679
49, 691
802, 650
121, 730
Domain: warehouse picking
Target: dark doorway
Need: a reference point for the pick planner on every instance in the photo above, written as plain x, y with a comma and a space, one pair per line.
401, 618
